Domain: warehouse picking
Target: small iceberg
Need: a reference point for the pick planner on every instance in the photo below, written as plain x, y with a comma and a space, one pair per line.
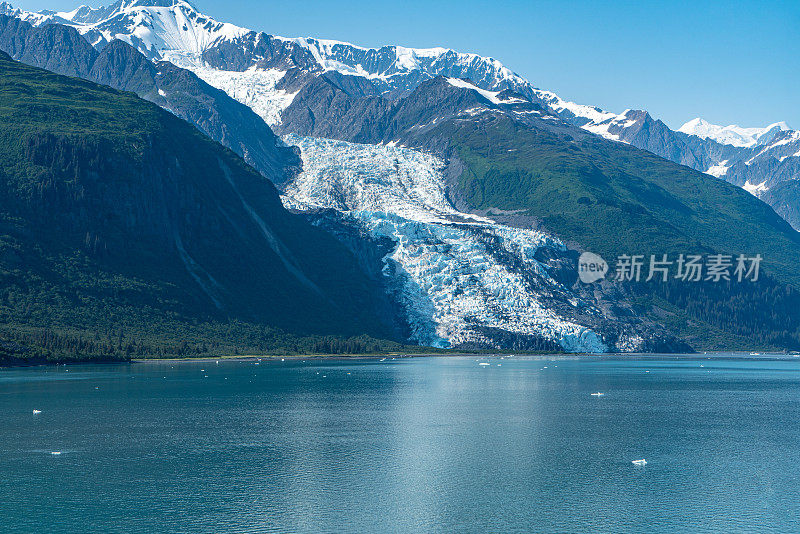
37, 412
639, 462
598, 394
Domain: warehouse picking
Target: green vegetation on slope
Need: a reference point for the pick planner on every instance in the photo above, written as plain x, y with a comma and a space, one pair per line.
125, 231
616, 198
613, 199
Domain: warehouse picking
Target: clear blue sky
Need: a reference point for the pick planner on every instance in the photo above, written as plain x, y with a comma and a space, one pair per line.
727, 61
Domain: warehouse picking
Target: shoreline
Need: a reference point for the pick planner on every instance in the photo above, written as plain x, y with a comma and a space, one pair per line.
716, 355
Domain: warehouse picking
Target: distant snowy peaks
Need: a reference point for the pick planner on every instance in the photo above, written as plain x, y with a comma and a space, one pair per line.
733, 135
8, 9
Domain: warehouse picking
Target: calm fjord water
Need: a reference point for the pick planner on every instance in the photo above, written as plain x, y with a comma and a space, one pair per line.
411, 445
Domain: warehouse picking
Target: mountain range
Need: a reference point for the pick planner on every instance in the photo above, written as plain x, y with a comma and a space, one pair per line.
464, 193
757, 159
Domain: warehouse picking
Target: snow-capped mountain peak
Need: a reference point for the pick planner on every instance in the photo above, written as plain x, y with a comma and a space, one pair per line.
155, 27
174, 30
732, 134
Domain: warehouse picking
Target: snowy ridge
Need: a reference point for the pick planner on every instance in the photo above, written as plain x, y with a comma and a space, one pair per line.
174, 30
491, 96
732, 134
614, 123
590, 118
390, 61
154, 27
588, 114
448, 277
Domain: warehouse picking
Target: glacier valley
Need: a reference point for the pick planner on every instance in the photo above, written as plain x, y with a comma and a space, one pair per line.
445, 267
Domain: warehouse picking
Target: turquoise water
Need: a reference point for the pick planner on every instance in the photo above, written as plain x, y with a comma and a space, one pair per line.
407, 445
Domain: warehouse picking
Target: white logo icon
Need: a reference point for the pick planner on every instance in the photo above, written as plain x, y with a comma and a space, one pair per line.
591, 268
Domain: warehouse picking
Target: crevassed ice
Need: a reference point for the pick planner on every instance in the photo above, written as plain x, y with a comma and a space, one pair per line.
254, 88
447, 267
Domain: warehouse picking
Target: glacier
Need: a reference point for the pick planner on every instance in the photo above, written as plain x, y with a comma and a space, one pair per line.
255, 88
445, 266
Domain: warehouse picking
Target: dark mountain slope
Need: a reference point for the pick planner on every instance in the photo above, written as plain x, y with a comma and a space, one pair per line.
63, 50
785, 200
116, 216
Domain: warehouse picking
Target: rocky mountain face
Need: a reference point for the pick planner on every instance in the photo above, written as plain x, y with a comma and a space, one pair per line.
785, 200
118, 216
63, 50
